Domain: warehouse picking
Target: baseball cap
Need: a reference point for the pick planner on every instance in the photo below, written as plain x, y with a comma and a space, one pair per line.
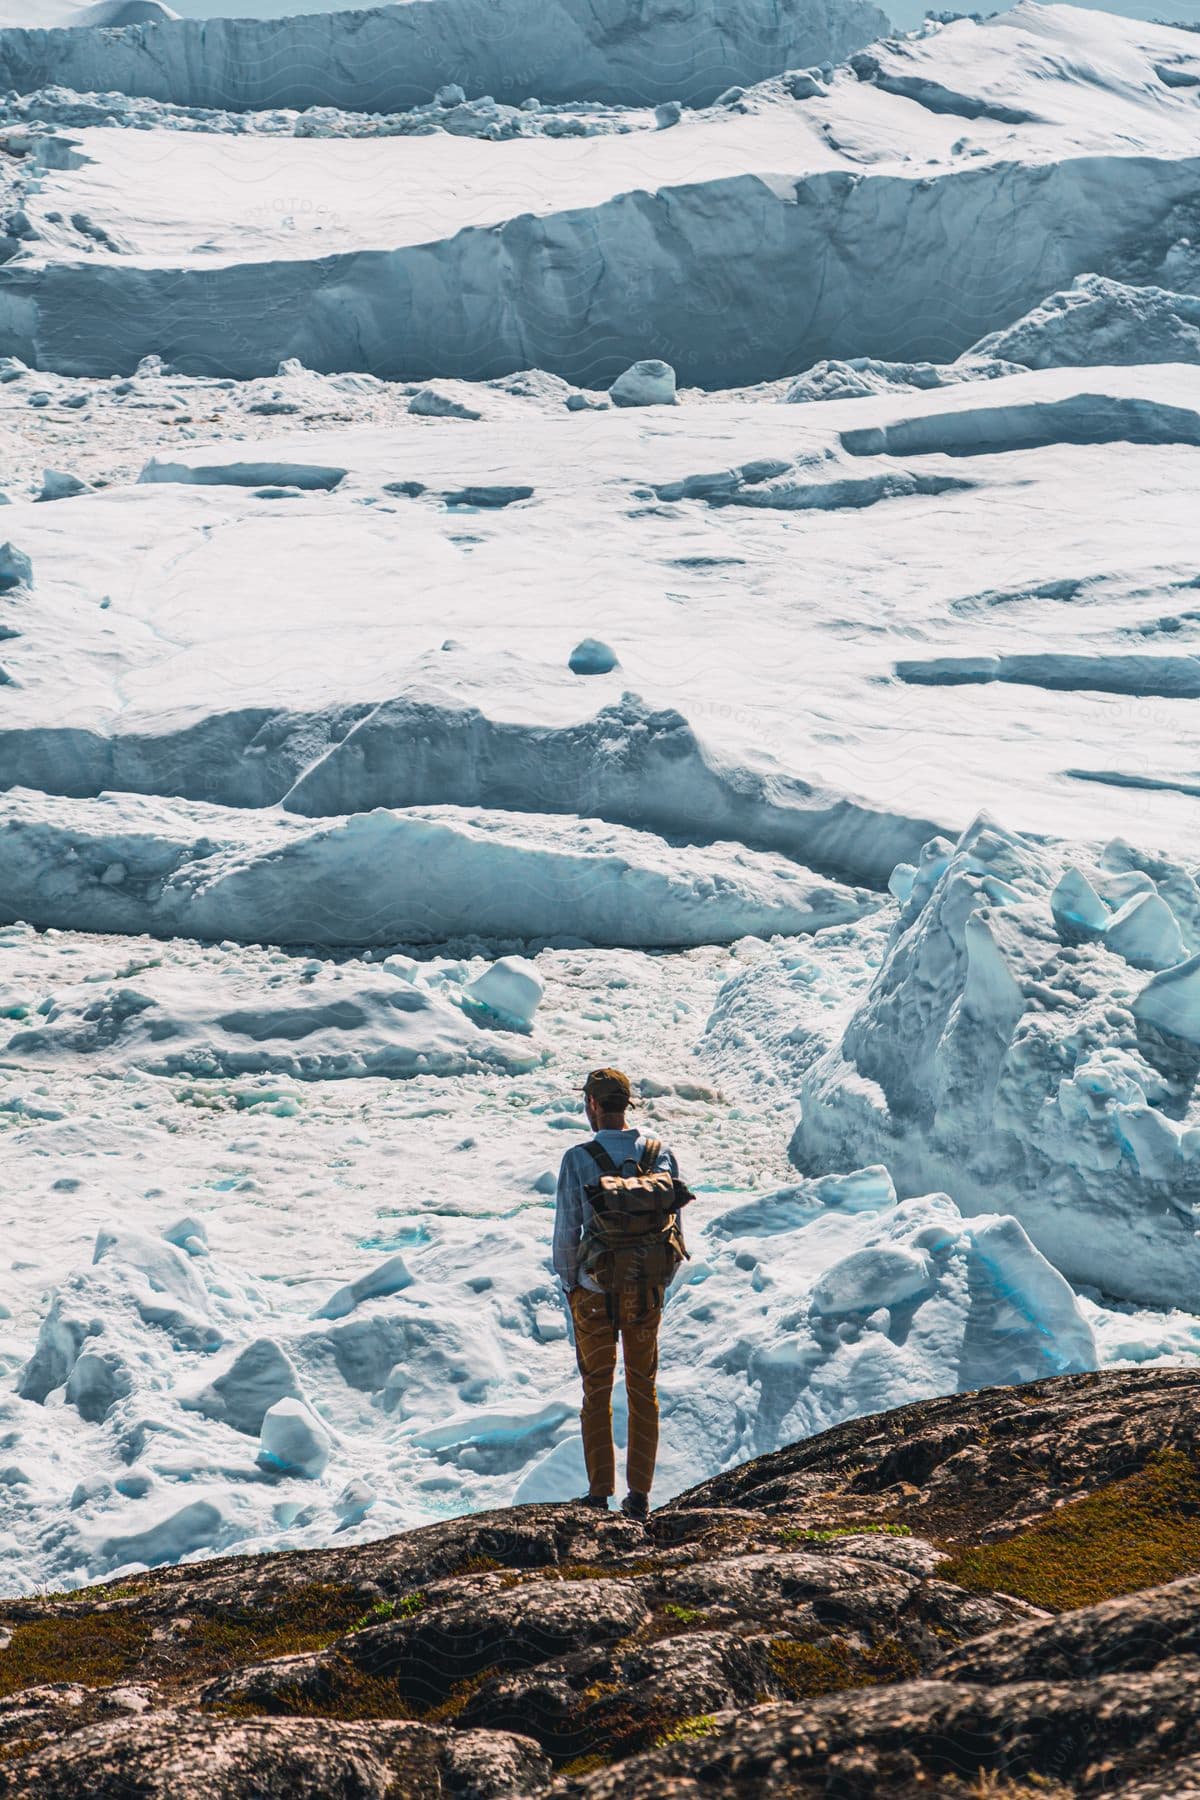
609, 1088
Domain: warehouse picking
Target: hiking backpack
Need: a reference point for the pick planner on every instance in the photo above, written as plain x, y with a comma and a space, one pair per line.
633, 1242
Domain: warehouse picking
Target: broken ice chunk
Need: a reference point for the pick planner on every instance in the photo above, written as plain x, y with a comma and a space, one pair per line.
1077, 908
57, 484
507, 994
259, 1377
1171, 1002
293, 1440
646, 383
592, 657
1146, 933
16, 570
188, 1234
388, 1278
861, 1191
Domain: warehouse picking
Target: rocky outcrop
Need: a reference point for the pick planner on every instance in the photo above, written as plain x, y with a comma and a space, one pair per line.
306, 1759
995, 1593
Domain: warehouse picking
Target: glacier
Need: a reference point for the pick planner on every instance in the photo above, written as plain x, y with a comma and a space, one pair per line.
395, 723
390, 57
463, 271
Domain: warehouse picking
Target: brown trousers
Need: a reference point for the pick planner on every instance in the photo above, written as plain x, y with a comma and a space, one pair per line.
596, 1353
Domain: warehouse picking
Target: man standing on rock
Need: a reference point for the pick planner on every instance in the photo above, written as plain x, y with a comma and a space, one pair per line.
617, 1245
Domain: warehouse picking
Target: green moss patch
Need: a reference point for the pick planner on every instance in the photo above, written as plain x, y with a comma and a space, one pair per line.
684, 1615
99, 1647
95, 1650
802, 1534
805, 1670
116, 1590
1132, 1534
696, 1725
384, 1610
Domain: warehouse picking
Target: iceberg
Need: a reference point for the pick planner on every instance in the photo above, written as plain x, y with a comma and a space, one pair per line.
996, 1053
390, 57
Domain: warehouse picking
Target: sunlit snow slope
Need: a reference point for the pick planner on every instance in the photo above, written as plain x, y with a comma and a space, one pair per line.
393, 726
44, 14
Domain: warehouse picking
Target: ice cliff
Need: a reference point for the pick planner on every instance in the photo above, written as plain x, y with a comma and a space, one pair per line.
392, 56
777, 209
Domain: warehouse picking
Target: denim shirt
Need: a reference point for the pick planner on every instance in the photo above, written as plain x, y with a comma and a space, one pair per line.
572, 1209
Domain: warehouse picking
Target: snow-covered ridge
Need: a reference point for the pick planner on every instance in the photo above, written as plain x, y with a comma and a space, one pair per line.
631, 765
479, 304
634, 51
128, 865
571, 255
51, 14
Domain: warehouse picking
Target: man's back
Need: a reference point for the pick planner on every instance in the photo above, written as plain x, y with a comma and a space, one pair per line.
579, 1171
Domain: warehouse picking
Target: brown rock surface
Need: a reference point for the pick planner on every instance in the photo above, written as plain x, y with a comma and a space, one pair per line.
996, 1594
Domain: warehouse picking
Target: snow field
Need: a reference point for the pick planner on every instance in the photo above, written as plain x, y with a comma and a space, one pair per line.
335, 1313
455, 687
378, 756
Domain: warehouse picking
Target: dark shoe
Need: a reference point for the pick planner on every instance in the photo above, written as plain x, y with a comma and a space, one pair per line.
599, 1502
636, 1506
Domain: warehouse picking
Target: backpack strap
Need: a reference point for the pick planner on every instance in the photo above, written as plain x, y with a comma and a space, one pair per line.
601, 1158
650, 1156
